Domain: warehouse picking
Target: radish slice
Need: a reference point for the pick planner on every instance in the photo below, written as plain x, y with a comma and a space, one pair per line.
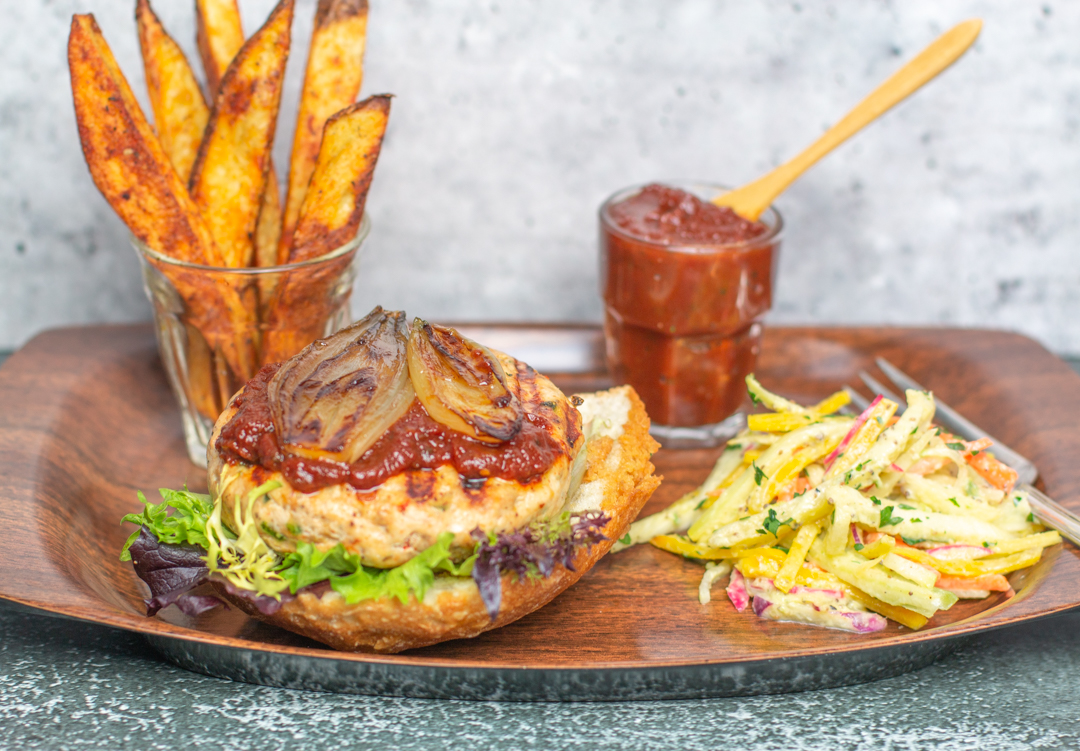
865, 623
859, 421
736, 591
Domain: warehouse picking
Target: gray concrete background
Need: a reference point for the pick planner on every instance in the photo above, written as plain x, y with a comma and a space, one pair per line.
514, 120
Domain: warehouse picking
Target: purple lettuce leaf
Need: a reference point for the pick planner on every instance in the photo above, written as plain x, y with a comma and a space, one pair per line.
532, 552
194, 605
265, 605
170, 571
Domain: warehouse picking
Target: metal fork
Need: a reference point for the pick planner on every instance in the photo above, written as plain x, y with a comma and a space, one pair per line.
1048, 511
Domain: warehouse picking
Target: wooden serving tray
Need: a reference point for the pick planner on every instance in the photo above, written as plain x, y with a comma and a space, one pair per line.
86, 420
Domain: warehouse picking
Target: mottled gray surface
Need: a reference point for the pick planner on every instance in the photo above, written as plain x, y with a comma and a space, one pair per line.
68, 685
515, 119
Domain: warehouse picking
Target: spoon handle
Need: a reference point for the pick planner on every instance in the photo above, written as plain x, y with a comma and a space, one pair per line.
752, 199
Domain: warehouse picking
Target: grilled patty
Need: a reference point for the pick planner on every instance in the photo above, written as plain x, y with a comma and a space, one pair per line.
389, 524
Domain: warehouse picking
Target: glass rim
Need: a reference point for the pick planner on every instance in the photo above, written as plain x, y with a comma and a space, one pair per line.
771, 218
342, 250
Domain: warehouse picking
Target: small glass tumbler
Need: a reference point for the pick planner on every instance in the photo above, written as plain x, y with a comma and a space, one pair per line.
682, 320
217, 326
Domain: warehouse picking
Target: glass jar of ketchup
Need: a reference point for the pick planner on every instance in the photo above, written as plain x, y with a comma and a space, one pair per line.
685, 286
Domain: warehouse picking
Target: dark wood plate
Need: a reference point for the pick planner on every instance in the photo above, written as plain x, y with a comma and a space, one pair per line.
86, 420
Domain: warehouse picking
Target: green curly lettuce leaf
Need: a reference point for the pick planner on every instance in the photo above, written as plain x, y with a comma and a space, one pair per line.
186, 517
187, 523
355, 582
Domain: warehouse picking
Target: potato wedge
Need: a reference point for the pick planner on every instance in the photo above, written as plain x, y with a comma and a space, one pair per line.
300, 308
220, 35
132, 170
127, 161
229, 176
331, 82
180, 110
339, 186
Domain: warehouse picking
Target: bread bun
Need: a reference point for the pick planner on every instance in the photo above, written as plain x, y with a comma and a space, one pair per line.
618, 480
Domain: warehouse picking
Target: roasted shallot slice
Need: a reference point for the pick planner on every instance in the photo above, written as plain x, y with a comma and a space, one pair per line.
461, 384
340, 394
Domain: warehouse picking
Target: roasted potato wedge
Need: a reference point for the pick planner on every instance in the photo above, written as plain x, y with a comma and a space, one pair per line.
268, 227
229, 176
299, 309
331, 82
220, 35
130, 167
334, 203
126, 159
202, 384
180, 111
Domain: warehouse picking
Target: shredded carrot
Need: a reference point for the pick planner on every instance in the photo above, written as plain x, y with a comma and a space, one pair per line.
991, 582
793, 488
1001, 476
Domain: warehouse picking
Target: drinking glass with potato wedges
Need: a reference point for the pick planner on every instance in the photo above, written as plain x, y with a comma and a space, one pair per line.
473, 489
236, 278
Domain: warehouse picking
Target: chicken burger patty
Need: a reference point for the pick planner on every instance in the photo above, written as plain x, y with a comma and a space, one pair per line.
493, 489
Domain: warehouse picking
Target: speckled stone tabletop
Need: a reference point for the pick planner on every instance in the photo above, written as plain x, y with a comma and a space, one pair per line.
68, 685
71, 685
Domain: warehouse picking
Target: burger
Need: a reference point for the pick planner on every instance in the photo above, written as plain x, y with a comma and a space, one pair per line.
396, 485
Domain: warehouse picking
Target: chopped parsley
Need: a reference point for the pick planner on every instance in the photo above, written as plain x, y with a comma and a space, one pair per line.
772, 524
625, 540
986, 544
909, 540
759, 475
907, 507
859, 546
955, 446
887, 518
954, 502
1031, 517
876, 500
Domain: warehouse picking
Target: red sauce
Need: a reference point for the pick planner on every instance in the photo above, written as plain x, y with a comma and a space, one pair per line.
414, 442
685, 284
669, 216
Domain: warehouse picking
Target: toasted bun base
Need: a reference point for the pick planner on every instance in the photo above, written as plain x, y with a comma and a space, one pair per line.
618, 480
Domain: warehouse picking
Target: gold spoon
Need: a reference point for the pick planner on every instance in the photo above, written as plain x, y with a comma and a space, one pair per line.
753, 198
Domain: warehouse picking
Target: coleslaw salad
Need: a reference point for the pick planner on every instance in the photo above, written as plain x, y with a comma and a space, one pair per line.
844, 522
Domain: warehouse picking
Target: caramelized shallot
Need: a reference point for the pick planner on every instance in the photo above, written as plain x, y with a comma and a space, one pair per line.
337, 397
461, 384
